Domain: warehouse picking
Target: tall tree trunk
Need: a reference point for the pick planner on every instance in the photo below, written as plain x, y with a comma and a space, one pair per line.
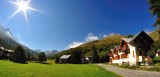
159, 34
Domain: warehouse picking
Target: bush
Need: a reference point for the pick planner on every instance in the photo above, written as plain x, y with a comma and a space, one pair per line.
134, 67
49, 62
158, 64
154, 69
156, 59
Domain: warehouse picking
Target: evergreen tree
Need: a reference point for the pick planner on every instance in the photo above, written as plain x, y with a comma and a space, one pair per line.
57, 60
95, 56
76, 56
18, 55
155, 10
29, 57
42, 57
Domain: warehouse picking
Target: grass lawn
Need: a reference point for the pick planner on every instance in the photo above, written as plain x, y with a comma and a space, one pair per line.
10, 69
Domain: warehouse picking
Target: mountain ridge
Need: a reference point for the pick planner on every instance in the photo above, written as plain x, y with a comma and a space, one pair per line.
8, 41
103, 45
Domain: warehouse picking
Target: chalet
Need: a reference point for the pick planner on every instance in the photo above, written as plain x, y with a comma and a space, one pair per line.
5, 53
132, 51
65, 58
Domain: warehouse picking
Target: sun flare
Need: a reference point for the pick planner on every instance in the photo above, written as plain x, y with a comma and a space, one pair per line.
22, 6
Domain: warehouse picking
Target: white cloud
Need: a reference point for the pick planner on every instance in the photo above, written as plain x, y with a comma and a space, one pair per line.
110, 34
105, 35
74, 45
148, 31
91, 37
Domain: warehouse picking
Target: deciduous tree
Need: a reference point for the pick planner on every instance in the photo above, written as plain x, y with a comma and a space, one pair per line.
42, 57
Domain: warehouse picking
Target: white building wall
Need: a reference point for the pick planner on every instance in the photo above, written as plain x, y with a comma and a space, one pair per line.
132, 58
120, 61
116, 61
157, 55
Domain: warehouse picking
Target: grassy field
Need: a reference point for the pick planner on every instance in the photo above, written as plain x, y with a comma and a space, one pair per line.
10, 69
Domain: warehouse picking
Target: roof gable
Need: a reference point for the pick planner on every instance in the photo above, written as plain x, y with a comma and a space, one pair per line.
142, 34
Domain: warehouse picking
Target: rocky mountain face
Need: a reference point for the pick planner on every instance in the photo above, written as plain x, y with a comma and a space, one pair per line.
8, 41
51, 53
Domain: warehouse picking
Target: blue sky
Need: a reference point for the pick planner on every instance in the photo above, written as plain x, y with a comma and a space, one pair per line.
64, 23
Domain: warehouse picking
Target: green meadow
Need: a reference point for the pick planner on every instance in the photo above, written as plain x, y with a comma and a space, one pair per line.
10, 69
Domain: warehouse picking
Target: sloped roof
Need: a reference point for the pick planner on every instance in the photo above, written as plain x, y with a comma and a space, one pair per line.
112, 50
143, 34
65, 56
127, 39
2, 48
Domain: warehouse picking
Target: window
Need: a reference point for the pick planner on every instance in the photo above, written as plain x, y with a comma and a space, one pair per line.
133, 54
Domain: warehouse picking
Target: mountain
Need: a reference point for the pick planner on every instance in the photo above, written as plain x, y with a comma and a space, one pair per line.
48, 53
51, 53
154, 35
8, 41
102, 46
38, 50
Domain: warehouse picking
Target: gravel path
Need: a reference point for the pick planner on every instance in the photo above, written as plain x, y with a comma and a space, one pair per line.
128, 72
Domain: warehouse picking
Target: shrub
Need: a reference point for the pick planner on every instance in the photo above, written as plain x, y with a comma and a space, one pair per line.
134, 67
156, 59
158, 64
154, 69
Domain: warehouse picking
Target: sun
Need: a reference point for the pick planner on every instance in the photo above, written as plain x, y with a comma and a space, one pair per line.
23, 5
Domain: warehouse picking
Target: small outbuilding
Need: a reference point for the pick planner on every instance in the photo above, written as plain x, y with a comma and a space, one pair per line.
86, 60
65, 58
158, 53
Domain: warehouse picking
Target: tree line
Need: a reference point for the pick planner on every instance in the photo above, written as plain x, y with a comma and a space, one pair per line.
19, 55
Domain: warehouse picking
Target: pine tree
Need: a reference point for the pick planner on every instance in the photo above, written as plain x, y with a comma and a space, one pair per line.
29, 57
18, 55
57, 60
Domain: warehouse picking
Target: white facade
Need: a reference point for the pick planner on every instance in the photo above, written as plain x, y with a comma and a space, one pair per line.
132, 57
133, 50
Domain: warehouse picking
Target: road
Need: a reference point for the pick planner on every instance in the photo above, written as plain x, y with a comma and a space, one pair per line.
128, 72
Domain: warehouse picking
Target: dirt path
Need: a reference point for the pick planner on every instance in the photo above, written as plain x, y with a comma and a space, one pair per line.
128, 72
